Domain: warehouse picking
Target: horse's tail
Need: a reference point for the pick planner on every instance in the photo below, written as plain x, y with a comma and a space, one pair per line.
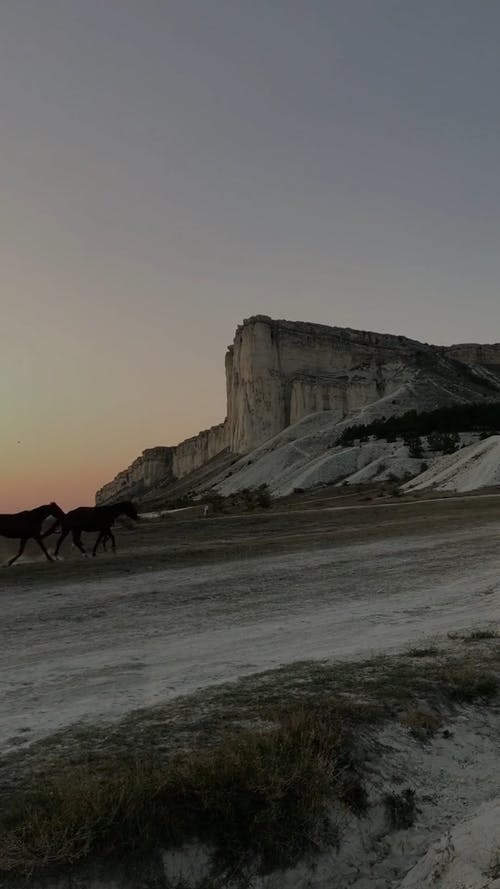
52, 528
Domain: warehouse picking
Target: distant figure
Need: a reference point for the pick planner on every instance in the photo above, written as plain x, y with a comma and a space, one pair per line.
92, 518
205, 511
28, 524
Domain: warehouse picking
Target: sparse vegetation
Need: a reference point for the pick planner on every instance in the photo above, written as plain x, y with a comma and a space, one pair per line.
414, 444
422, 724
247, 499
447, 442
466, 684
261, 793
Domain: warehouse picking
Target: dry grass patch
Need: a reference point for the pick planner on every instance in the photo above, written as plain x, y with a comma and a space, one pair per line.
422, 724
466, 684
262, 761
262, 796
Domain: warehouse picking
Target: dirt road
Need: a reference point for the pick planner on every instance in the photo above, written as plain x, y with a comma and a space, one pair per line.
197, 603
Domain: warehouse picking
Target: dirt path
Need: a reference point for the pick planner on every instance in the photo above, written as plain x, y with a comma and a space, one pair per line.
84, 649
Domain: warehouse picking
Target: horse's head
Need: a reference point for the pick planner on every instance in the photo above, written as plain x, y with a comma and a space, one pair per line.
129, 510
55, 511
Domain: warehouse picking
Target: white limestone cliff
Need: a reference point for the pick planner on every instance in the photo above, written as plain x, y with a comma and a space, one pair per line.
195, 451
279, 372
153, 466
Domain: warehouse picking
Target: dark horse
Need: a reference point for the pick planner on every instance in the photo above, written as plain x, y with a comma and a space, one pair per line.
92, 518
28, 524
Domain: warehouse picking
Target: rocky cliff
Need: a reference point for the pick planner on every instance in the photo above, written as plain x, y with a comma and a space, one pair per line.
278, 372
475, 354
161, 465
152, 467
195, 451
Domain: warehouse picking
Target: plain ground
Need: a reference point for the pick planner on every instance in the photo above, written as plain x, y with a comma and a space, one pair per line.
175, 640
189, 603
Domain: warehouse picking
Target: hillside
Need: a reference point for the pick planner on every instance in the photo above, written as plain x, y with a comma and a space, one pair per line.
475, 466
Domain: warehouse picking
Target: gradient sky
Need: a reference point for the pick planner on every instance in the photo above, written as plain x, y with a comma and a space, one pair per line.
170, 167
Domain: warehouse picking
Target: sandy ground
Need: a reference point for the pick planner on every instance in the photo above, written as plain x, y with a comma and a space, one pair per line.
189, 603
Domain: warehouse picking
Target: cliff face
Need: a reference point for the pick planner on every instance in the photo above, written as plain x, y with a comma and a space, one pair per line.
163, 464
153, 466
278, 372
475, 353
195, 451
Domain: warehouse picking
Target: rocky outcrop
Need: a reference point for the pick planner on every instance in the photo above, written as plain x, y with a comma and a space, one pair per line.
279, 372
195, 451
161, 465
153, 466
475, 353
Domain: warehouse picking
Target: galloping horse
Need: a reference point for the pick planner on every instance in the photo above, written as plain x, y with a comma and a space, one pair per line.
28, 524
92, 518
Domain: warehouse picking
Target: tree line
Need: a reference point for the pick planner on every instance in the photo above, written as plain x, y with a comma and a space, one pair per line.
441, 425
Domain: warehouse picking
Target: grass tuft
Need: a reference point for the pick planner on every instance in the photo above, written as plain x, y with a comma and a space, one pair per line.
465, 684
422, 724
261, 796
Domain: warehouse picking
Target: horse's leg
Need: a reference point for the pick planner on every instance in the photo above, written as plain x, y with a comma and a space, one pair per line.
40, 544
21, 550
100, 536
77, 540
113, 542
63, 536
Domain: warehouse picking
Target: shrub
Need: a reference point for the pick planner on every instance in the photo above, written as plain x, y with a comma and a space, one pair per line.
447, 442
422, 724
465, 684
414, 445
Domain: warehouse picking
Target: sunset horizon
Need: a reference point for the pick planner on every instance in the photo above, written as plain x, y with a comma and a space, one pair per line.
172, 170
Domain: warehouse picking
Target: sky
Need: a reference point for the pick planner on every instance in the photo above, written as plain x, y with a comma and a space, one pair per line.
171, 167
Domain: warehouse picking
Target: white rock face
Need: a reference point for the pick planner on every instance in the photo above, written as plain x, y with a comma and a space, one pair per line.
154, 465
280, 372
195, 451
475, 353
